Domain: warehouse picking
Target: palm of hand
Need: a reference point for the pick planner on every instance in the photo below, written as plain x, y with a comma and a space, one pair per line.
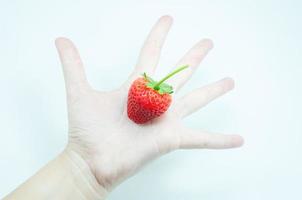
112, 145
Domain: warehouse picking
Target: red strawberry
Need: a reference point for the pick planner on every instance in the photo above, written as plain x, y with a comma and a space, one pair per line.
148, 99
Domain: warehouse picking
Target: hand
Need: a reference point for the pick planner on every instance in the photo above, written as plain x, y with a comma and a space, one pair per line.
113, 146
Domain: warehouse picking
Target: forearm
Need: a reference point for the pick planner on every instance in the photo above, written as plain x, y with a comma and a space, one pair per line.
65, 177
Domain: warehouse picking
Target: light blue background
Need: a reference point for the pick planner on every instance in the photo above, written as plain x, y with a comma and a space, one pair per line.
258, 43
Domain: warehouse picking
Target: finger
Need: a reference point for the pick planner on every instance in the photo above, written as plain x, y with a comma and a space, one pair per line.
73, 69
192, 139
202, 96
150, 52
192, 58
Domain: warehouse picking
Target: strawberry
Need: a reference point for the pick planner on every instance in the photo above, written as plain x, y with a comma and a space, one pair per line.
148, 99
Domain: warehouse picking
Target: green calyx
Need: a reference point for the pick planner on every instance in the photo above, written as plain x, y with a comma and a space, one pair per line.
160, 86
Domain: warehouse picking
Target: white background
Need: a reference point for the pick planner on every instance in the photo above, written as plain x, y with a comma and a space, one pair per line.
258, 43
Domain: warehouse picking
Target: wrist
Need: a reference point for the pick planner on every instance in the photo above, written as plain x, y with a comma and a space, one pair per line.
81, 176
66, 177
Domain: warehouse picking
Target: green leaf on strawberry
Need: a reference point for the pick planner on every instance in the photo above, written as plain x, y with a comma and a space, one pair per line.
160, 86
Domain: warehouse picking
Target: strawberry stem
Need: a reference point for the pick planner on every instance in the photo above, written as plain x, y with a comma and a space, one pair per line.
156, 87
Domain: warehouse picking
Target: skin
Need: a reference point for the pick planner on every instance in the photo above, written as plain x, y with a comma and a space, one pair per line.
104, 146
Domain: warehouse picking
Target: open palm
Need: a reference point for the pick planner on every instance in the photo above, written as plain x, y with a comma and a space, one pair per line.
100, 131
